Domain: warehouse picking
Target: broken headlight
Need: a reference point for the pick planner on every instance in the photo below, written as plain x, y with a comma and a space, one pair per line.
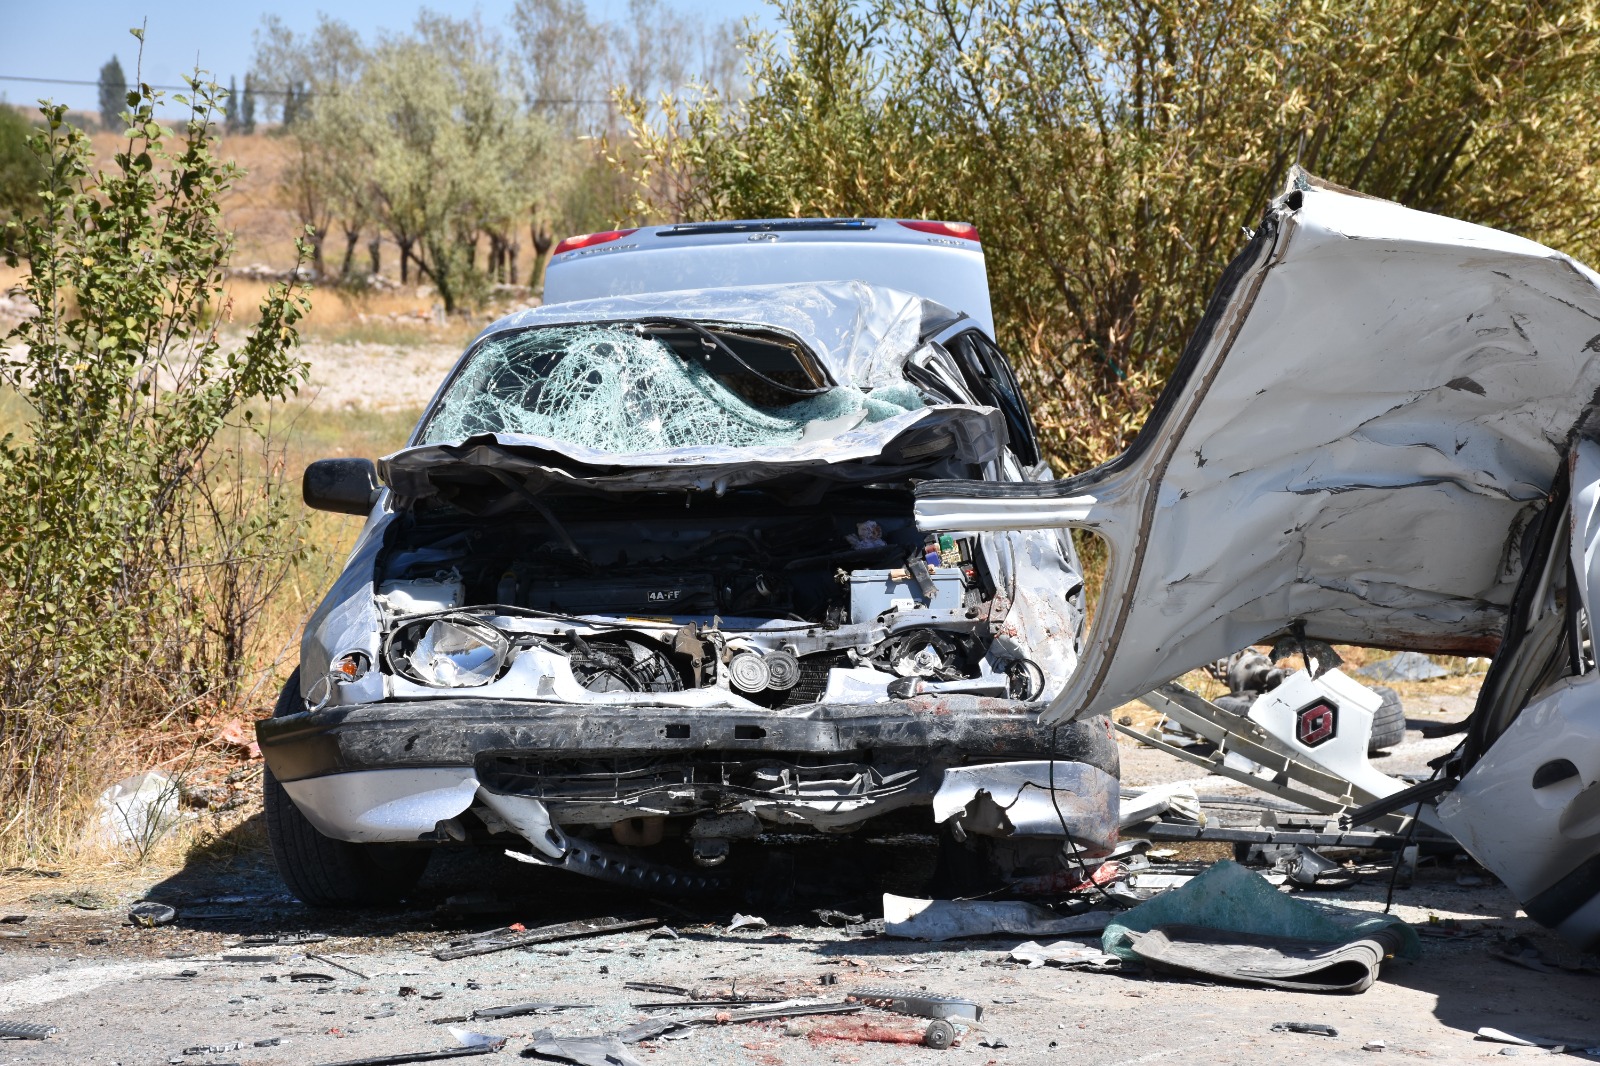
448, 652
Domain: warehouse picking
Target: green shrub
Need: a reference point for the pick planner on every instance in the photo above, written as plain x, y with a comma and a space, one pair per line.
137, 537
1110, 151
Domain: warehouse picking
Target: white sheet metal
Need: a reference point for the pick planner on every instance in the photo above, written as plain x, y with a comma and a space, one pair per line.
369, 806
1355, 441
862, 333
876, 251
1529, 810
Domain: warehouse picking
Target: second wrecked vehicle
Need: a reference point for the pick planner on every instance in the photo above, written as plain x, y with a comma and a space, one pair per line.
646, 581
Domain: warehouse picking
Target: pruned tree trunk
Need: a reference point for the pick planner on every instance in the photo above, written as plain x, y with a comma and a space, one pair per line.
543, 241
374, 246
352, 237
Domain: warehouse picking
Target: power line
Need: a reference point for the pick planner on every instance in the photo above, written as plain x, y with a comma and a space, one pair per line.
297, 94
171, 88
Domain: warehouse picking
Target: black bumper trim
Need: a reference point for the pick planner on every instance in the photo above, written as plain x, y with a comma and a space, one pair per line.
455, 732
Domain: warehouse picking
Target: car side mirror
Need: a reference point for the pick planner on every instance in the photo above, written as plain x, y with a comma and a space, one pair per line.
345, 486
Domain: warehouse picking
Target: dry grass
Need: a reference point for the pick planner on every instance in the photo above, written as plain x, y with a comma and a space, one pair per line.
195, 748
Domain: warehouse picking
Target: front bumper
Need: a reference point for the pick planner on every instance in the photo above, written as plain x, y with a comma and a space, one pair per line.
392, 771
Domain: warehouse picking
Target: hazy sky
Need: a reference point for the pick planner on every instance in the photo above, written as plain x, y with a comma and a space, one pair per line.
42, 40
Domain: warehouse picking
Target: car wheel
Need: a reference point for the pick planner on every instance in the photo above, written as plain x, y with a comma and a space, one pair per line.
319, 870
1388, 722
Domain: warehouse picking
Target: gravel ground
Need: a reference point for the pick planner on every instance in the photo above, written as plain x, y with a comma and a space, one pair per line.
376, 377
124, 995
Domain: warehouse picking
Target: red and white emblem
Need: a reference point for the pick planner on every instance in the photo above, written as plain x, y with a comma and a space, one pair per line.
1316, 723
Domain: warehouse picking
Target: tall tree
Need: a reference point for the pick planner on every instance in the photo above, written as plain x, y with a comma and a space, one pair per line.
1111, 150
247, 106
113, 94
230, 107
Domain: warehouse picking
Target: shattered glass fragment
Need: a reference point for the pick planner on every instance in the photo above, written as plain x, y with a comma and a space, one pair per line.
614, 389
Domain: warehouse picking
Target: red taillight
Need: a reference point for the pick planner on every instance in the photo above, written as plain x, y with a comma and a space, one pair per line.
587, 240
965, 230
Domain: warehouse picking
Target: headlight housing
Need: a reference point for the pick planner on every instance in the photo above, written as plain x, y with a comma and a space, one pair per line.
448, 652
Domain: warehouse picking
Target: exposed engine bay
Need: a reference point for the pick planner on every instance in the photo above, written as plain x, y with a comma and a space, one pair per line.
648, 572
739, 599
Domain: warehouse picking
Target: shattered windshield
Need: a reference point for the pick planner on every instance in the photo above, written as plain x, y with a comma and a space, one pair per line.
621, 389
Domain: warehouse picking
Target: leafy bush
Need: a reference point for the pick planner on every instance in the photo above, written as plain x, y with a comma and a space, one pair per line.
1111, 150
20, 172
137, 538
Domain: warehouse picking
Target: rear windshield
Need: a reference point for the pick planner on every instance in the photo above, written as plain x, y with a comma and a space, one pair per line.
625, 389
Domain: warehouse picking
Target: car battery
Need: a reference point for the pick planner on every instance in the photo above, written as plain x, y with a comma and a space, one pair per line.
872, 592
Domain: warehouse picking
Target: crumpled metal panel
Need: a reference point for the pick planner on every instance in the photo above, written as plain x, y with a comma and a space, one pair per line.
893, 447
1529, 809
1374, 407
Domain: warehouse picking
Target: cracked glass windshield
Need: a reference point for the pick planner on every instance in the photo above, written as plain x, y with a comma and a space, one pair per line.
627, 390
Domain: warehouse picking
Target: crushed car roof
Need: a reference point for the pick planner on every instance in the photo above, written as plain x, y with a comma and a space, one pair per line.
862, 333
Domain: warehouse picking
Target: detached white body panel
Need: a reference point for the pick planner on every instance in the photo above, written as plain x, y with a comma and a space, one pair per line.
1375, 407
1381, 434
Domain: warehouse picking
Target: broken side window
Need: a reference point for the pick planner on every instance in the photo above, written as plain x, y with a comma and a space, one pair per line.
622, 389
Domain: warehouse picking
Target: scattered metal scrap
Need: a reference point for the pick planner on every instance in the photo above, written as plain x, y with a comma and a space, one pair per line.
584, 1051
337, 965
420, 1056
1313, 1028
517, 1009
24, 1030
512, 937
283, 939
921, 1004
653, 1028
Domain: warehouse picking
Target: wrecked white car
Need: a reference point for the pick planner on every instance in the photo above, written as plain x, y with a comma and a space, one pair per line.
1394, 415
646, 582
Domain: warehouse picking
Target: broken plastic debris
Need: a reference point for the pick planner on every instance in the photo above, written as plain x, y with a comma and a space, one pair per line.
1500, 1036
746, 921
926, 919
148, 915
1314, 1028
1063, 953
24, 1030
584, 1051
1141, 805
140, 809
468, 1038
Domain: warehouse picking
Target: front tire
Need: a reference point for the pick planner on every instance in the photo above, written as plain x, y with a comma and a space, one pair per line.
321, 871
